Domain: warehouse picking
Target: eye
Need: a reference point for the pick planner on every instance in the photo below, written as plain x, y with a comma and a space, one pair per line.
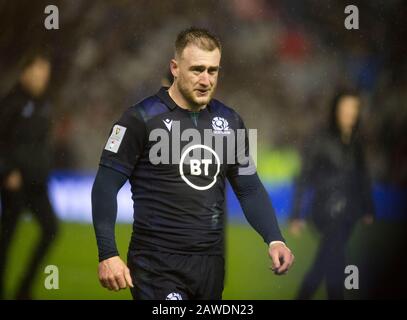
213, 71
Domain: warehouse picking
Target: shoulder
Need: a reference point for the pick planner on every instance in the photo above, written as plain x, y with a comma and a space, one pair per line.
145, 110
12, 98
222, 110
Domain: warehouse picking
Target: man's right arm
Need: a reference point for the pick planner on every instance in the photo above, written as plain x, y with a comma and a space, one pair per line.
104, 209
124, 147
119, 158
113, 272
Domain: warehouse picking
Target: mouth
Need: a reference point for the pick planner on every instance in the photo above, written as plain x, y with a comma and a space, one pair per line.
202, 92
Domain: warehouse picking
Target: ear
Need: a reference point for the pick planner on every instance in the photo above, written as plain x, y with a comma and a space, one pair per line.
174, 68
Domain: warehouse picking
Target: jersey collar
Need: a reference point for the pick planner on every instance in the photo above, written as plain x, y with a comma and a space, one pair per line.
165, 97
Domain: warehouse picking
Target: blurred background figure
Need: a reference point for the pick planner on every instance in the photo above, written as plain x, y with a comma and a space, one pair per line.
25, 163
334, 174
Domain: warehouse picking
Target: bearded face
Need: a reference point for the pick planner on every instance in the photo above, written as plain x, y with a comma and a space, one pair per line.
196, 75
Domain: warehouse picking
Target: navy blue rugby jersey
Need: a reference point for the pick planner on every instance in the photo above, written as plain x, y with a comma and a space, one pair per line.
177, 162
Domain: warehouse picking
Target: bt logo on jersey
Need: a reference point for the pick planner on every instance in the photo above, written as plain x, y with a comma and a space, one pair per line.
195, 166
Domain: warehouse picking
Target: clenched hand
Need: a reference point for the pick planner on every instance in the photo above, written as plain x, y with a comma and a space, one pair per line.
281, 257
114, 274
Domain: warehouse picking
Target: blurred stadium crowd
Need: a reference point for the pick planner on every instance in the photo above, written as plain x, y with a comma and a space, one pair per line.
282, 62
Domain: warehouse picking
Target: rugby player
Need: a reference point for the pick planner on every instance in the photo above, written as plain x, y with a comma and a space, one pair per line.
177, 245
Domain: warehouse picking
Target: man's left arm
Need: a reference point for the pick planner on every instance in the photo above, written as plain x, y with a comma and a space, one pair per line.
259, 212
256, 203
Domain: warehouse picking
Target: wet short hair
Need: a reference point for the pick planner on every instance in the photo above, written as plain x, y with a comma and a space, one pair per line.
202, 38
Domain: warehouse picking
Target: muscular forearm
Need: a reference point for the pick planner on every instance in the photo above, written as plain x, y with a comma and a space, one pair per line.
257, 206
104, 209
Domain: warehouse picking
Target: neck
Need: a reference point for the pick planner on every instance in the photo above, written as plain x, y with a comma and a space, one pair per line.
346, 134
179, 99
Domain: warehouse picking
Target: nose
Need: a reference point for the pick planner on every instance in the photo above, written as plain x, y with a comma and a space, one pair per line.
204, 79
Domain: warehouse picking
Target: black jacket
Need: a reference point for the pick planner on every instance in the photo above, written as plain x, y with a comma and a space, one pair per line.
334, 176
24, 135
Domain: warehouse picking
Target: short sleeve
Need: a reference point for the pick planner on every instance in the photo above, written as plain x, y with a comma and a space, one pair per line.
126, 142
